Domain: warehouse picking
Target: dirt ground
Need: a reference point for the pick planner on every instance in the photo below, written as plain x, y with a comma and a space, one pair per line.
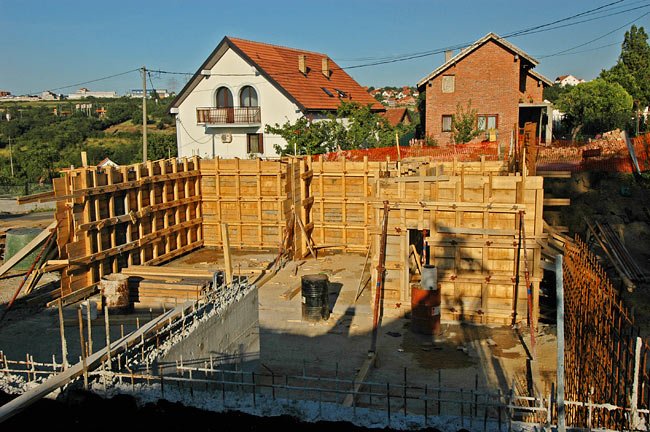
623, 201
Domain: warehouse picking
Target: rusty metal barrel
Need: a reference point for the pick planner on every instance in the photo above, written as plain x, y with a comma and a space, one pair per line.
425, 303
315, 297
115, 290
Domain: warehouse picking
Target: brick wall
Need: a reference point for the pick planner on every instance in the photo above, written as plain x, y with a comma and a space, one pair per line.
489, 76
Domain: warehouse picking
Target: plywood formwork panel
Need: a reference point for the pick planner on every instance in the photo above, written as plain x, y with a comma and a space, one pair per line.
472, 217
114, 217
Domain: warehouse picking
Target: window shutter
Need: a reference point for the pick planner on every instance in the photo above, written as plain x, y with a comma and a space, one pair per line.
261, 143
248, 143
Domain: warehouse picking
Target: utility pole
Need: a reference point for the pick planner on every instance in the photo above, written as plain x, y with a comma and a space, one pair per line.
144, 114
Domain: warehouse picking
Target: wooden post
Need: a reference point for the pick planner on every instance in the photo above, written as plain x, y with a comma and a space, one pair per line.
83, 349
399, 154
559, 293
64, 346
108, 337
226, 252
90, 334
84, 159
634, 416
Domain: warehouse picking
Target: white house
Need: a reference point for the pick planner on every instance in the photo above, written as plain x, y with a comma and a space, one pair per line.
568, 80
244, 86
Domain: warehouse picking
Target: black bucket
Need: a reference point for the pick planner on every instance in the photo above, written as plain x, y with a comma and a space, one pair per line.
315, 298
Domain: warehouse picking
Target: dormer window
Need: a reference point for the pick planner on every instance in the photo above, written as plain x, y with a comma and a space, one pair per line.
248, 97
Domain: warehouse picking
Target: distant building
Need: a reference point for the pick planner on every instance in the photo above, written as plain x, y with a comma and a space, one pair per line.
48, 95
107, 163
5, 94
163, 93
568, 80
85, 93
397, 115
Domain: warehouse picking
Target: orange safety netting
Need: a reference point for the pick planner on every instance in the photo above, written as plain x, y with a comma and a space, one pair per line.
464, 152
561, 155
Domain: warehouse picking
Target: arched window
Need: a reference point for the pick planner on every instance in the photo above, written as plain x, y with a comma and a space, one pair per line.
248, 97
224, 98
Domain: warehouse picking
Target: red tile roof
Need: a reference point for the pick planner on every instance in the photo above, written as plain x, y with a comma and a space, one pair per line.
281, 65
395, 115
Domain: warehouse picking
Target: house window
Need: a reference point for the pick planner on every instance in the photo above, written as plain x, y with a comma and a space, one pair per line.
487, 121
448, 83
224, 98
446, 123
254, 143
248, 97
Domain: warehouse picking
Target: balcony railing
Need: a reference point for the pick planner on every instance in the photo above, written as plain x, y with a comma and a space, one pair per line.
242, 116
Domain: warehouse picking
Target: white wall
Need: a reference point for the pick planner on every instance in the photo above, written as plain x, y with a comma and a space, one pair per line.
194, 139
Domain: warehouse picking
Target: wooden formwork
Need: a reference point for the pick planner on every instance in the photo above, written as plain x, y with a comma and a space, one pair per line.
472, 222
114, 217
256, 199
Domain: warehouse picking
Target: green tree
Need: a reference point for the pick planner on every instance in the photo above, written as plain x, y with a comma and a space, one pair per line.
553, 93
352, 126
632, 71
596, 106
464, 124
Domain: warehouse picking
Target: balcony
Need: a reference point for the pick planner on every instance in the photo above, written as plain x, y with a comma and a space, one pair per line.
247, 116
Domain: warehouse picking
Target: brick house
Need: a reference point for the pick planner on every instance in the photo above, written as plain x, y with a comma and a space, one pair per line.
499, 80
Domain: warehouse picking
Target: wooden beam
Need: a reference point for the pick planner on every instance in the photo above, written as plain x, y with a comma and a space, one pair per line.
361, 376
413, 179
39, 197
291, 292
75, 296
29, 247
554, 174
225, 238
552, 202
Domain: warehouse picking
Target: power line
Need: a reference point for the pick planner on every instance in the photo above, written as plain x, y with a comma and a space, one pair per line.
95, 80
595, 39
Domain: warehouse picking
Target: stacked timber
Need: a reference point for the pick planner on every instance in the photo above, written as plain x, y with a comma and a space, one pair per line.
152, 286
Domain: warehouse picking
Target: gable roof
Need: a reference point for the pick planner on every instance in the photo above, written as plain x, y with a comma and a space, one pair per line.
464, 53
279, 65
396, 115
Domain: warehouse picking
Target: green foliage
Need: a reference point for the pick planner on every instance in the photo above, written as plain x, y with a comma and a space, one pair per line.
596, 106
353, 126
464, 124
553, 93
43, 142
632, 71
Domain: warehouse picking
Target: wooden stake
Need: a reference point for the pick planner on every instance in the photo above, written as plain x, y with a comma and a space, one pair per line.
225, 238
64, 346
90, 334
108, 336
83, 350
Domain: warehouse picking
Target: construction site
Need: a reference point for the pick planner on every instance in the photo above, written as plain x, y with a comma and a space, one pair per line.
455, 288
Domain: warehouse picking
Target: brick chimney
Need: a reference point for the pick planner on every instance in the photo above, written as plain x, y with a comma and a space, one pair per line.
302, 63
326, 66
448, 55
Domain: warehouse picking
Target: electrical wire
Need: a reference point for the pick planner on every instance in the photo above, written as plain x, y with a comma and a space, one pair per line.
595, 39
94, 80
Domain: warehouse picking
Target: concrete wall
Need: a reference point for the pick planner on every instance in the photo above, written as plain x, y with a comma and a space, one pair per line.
195, 139
489, 76
233, 336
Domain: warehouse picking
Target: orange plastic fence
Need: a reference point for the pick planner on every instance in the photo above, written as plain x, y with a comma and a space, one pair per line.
561, 155
465, 153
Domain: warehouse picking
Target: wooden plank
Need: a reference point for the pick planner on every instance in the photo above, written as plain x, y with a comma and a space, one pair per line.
75, 296
225, 238
552, 202
293, 291
414, 179
360, 378
39, 197
29, 247
554, 174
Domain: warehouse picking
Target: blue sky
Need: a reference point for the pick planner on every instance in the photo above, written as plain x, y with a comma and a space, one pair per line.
50, 44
